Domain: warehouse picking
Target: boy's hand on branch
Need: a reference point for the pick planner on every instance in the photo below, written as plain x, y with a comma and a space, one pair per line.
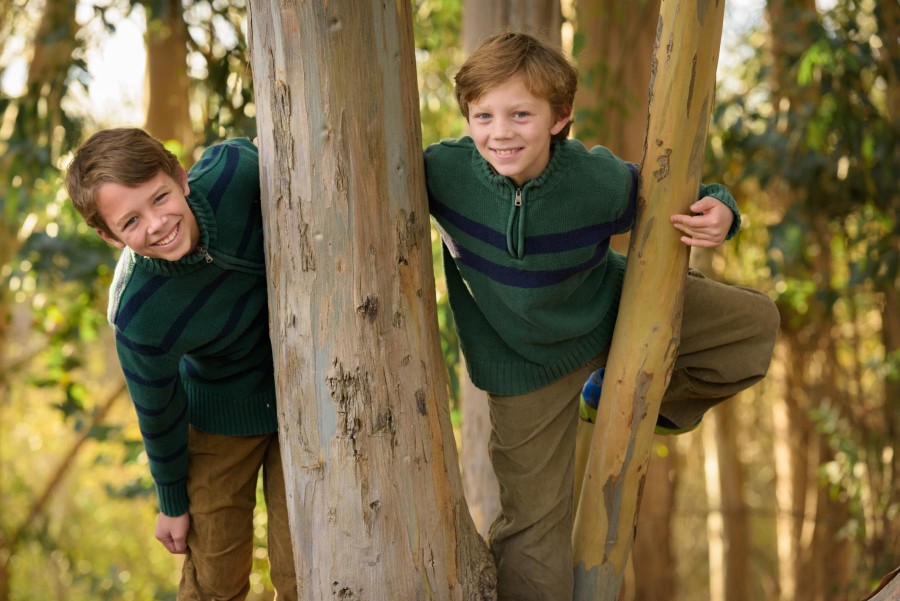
172, 532
707, 226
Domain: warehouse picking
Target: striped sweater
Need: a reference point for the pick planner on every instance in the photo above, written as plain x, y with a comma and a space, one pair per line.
533, 284
192, 335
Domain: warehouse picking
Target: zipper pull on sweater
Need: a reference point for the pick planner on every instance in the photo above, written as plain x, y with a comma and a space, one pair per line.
206, 256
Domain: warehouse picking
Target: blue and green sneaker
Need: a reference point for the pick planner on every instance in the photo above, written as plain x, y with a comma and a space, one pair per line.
590, 400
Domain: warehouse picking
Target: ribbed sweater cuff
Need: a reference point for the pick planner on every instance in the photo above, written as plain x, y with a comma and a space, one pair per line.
173, 498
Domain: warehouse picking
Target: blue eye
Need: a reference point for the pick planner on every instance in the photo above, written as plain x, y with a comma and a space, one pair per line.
521, 114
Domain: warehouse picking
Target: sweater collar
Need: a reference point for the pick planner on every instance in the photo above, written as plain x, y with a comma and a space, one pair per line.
554, 172
193, 261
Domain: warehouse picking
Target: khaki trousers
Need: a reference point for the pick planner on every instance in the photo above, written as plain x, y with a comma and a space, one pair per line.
727, 338
222, 478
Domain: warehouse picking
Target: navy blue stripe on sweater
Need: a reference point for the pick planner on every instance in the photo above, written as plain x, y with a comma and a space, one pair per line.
172, 483
158, 383
153, 412
470, 227
249, 232
197, 303
141, 349
213, 155
177, 422
167, 458
521, 278
218, 189
234, 316
127, 313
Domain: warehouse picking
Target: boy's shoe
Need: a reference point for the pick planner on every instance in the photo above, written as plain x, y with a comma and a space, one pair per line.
666, 427
590, 396
590, 400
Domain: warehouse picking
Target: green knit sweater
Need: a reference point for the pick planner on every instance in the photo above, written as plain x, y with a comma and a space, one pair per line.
192, 335
532, 282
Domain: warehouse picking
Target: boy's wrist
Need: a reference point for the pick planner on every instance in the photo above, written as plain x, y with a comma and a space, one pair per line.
173, 498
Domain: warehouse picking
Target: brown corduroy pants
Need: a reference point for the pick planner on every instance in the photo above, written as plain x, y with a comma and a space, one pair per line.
222, 478
727, 338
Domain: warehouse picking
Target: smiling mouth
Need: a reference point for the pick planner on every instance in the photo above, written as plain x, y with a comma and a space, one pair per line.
168, 239
505, 152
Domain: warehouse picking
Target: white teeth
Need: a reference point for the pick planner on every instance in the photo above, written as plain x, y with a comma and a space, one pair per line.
168, 238
505, 152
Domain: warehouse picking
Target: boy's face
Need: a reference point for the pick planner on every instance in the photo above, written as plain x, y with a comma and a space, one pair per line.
512, 129
153, 219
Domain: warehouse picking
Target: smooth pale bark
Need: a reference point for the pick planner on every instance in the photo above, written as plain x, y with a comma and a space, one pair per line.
646, 339
167, 89
616, 47
480, 20
375, 497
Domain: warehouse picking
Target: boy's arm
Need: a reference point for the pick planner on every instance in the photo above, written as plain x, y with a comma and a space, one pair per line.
154, 384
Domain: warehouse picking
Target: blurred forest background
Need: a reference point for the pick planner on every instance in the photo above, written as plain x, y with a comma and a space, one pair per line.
789, 492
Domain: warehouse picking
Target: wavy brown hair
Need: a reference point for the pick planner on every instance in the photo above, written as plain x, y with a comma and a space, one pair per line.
547, 71
126, 155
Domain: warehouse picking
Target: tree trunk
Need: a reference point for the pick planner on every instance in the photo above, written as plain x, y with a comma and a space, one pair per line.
653, 539
167, 89
479, 481
734, 506
615, 47
375, 497
715, 529
645, 343
538, 17
480, 20
614, 53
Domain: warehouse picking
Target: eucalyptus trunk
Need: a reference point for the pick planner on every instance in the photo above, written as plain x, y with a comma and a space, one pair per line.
374, 493
645, 341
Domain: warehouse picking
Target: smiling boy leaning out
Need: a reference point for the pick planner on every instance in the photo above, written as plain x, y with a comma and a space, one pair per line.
189, 307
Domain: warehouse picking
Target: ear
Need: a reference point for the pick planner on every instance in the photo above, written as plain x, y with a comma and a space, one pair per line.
183, 180
561, 121
112, 240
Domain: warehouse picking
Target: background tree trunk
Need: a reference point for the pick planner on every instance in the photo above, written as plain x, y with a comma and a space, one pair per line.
167, 88
644, 346
481, 19
614, 49
375, 498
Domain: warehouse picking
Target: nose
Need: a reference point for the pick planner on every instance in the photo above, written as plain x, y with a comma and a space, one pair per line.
501, 128
157, 223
